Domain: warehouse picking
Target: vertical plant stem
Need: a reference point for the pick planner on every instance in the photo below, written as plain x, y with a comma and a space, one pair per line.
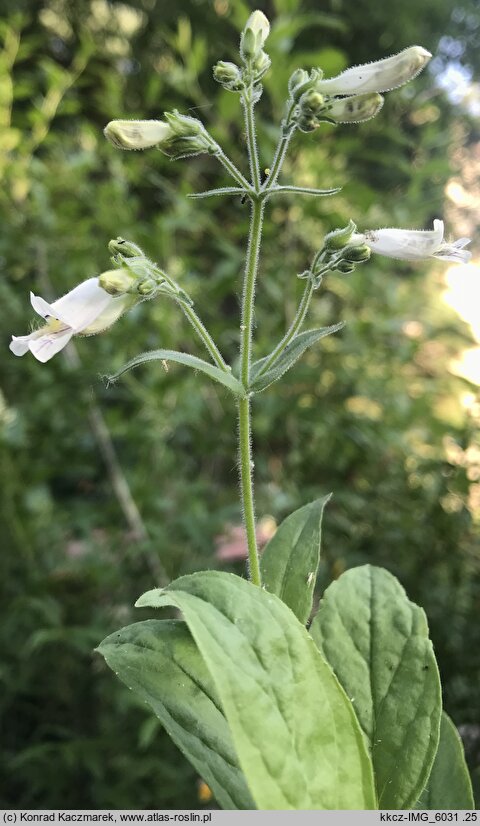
251, 139
244, 411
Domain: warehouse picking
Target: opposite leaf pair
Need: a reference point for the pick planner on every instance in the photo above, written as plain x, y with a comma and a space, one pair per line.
254, 704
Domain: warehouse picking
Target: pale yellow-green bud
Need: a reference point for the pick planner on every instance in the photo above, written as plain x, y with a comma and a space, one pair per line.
254, 35
137, 134
228, 74
116, 282
311, 103
261, 63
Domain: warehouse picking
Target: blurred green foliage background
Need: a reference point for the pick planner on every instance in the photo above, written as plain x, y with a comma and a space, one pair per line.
108, 491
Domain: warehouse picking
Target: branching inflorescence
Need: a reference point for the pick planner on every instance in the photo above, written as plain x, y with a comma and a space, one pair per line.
347, 715
351, 97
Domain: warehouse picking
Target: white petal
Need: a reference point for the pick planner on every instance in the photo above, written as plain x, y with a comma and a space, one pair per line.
455, 252
379, 76
19, 345
409, 245
42, 307
116, 308
46, 346
81, 306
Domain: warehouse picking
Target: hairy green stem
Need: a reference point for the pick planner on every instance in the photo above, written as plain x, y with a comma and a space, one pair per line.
292, 330
244, 413
288, 129
232, 169
251, 140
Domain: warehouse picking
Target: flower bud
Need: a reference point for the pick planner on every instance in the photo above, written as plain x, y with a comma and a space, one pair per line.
261, 63
354, 109
357, 255
229, 75
116, 282
147, 286
311, 103
339, 238
307, 123
379, 76
300, 77
136, 134
301, 81
118, 246
254, 35
345, 266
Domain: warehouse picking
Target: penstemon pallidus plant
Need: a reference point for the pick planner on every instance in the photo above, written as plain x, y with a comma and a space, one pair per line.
346, 714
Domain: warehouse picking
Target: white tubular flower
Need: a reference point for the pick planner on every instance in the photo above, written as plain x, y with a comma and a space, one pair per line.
137, 134
415, 245
380, 76
85, 310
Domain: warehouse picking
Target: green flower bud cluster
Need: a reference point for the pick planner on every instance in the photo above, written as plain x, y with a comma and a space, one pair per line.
342, 250
314, 106
137, 275
256, 60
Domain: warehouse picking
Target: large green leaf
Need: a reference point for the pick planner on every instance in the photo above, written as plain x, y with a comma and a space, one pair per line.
449, 785
222, 376
377, 642
291, 354
294, 730
159, 660
290, 561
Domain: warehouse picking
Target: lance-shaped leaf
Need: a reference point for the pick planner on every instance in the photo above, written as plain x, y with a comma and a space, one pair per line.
449, 785
294, 730
291, 354
222, 376
290, 561
159, 660
377, 643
